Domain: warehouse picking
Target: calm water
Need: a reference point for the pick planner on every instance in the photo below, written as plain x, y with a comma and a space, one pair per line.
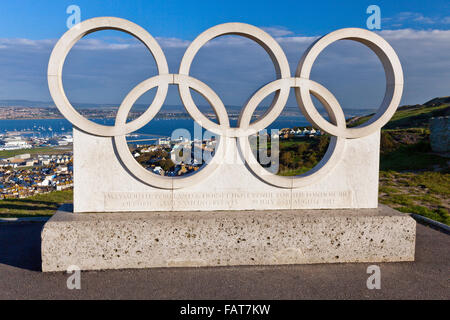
156, 128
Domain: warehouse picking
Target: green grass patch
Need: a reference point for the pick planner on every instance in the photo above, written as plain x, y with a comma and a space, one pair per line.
295, 172
35, 206
416, 116
422, 193
401, 199
389, 189
436, 182
412, 157
440, 214
428, 199
409, 116
43, 150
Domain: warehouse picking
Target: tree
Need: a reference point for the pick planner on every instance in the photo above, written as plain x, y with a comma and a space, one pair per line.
387, 142
286, 158
301, 148
167, 165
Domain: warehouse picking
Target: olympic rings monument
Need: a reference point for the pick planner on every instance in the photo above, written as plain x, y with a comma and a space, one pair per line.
232, 211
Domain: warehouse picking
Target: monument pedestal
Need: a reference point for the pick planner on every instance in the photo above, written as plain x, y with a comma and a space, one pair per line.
225, 238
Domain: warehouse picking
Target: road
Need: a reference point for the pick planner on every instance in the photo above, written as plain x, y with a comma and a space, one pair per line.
426, 278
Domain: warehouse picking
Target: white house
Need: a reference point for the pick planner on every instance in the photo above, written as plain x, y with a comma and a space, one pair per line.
158, 170
15, 143
164, 141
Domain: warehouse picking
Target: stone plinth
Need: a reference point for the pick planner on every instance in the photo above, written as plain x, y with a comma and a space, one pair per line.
225, 238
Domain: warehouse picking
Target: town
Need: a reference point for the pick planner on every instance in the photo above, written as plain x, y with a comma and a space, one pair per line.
18, 112
25, 175
28, 140
50, 112
31, 165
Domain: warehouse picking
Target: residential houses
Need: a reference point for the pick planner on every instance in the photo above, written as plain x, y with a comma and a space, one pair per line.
25, 175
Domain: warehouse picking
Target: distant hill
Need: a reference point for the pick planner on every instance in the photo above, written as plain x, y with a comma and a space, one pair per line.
438, 101
359, 115
137, 107
412, 116
26, 103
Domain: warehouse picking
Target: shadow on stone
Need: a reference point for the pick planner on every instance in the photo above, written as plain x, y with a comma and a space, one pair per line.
21, 245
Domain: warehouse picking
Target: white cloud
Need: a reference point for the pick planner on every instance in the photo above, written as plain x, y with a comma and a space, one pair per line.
278, 31
21, 42
296, 39
172, 42
409, 17
414, 16
411, 34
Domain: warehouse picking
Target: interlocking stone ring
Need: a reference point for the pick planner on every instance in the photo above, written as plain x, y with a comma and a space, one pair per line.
301, 83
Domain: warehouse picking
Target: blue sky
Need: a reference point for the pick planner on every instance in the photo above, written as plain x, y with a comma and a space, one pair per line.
98, 71
186, 19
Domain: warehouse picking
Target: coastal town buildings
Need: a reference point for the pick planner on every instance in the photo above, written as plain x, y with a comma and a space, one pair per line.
21, 177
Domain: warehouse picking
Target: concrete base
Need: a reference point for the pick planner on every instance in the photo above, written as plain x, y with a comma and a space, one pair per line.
219, 238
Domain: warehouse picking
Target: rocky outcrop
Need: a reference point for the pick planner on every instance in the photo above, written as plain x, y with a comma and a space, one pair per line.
440, 134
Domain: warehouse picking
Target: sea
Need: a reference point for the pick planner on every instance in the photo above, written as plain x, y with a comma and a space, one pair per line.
157, 128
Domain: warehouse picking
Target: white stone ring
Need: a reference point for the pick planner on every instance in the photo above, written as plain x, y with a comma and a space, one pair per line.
55, 69
394, 82
304, 87
278, 58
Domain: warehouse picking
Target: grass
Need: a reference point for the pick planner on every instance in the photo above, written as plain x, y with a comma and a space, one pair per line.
416, 116
413, 157
35, 206
410, 116
295, 172
436, 182
409, 150
413, 178
43, 150
425, 193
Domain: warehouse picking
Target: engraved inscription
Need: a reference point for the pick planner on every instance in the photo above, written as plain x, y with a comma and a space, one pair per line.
231, 199
138, 200
321, 198
226, 199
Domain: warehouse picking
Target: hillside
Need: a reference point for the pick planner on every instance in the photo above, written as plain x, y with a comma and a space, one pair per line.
413, 178
411, 116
